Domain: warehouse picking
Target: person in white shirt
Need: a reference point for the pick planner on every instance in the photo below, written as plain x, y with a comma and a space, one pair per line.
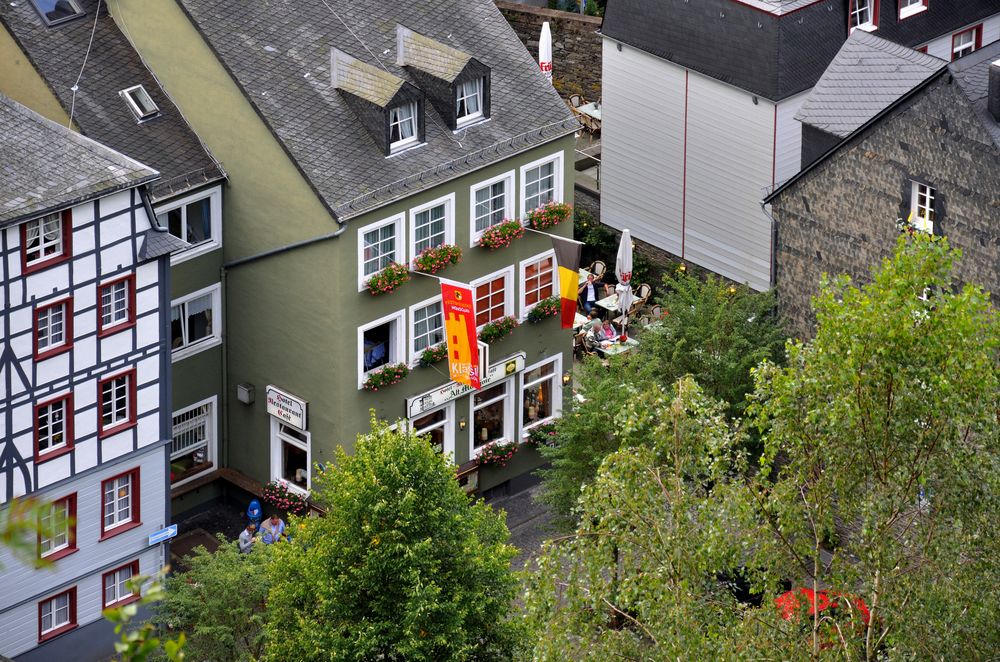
588, 293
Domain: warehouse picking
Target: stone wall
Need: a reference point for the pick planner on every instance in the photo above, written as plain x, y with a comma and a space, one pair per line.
841, 216
576, 46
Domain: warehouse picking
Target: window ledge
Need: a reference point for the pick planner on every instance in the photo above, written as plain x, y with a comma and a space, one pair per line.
61, 554
55, 351
191, 350
867, 27
52, 634
121, 427
907, 12
195, 251
124, 601
111, 533
51, 455
118, 328
44, 264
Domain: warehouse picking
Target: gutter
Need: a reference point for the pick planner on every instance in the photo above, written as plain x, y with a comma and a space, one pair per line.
283, 249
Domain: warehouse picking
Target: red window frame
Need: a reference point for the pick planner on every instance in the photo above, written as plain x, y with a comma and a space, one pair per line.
921, 49
900, 16
66, 551
67, 329
44, 456
977, 30
123, 601
63, 628
103, 432
67, 241
135, 522
102, 330
850, 10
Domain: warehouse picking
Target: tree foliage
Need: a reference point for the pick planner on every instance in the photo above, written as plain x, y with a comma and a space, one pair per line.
219, 602
402, 567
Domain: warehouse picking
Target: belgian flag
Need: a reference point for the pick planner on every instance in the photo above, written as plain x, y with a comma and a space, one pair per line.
568, 259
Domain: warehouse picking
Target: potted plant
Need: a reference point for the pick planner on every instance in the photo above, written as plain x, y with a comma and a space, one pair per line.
501, 328
387, 375
502, 234
434, 354
434, 259
278, 495
549, 214
542, 435
496, 453
388, 279
544, 309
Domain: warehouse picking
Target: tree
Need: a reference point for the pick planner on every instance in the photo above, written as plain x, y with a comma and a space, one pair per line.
881, 464
402, 567
638, 577
219, 602
143, 642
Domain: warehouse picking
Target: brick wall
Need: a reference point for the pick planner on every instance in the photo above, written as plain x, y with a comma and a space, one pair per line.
841, 216
576, 46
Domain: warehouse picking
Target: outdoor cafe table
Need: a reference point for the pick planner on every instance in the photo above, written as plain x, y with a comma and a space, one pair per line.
592, 109
579, 320
620, 347
609, 303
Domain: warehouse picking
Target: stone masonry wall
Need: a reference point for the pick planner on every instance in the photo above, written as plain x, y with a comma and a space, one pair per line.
576, 46
841, 216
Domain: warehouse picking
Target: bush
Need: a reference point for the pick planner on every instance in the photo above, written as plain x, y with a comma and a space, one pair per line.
548, 215
278, 495
496, 453
388, 279
434, 259
386, 376
498, 330
502, 234
544, 309
432, 355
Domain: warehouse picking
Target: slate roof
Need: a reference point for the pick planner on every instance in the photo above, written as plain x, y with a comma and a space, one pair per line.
158, 241
45, 167
973, 75
279, 55
166, 142
866, 77
773, 48
429, 55
363, 80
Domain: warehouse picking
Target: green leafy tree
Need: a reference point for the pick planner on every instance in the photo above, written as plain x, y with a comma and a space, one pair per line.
22, 521
403, 566
138, 644
881, 466
219, 601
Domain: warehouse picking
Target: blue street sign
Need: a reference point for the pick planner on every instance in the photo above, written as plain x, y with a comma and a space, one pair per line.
163, 534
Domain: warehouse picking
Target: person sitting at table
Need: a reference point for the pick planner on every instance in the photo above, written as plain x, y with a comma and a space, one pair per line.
588, 293
593, 336
608, 331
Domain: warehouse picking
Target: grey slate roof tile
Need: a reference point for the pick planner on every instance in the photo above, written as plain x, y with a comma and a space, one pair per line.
166, 142
867, 75
159, 242
45, 167
279, 54
972, 73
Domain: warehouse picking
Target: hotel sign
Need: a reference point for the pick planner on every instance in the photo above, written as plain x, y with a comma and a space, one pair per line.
287, 407
422, 404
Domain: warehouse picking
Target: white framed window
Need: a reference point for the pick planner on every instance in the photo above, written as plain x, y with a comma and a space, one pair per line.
117, 304
403, 127
864, 15
494, 296
541, 182
432, 225
117, 403
193, 445
53, 328
57, 614
43, 239
908, 8
965, 42
58, 530
115, 584
492, 416
291, 456
380, 343
541, 393
439, 426
469, 101
197, 219
379, 244
119, 496
922, 207
53, 427
490, 202
426, 327
139, 102
538, 280
57, 11
196, 322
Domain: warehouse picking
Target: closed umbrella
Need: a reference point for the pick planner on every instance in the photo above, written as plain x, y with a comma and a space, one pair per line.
545, 51
623, 271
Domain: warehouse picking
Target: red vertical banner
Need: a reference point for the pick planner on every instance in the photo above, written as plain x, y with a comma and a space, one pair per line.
459, 310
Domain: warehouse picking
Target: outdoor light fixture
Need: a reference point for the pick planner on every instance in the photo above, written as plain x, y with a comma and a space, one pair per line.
567, 378
461, 424
732, 289
245, 393
683, 267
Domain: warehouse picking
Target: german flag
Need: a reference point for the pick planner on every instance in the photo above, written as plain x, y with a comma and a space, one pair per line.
568, 259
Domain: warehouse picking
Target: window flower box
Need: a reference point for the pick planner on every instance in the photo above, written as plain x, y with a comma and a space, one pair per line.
496, 453
386, 376
549, 215
434, 259
544, 309
497, 330
432, 355
278, 495
502, 234
542, 435
388, 279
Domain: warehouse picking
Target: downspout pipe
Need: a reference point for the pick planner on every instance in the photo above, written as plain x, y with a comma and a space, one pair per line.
283, 249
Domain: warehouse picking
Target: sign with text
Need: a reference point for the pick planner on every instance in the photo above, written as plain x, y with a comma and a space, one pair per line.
459, 310
422, 404
287, 407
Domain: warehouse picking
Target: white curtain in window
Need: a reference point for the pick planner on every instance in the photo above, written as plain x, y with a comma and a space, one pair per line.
32, 232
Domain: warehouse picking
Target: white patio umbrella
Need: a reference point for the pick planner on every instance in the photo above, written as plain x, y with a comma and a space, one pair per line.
545, 51
623, 271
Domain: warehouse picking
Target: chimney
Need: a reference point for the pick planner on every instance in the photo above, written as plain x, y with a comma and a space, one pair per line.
993, 91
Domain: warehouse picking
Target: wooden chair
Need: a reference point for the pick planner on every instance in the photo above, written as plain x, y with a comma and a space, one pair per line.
643, 291
598, 268
575, 101
579, 349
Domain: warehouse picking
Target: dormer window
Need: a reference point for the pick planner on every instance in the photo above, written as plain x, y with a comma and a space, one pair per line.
864, 15
402, 125
469, 105
57, 11
140, 103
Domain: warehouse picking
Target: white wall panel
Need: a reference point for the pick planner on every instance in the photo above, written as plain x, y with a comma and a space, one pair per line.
115, 258
53, 471
789, 138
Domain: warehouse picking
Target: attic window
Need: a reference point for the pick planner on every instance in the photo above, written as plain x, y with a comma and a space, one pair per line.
402, 125
57, 11
469, 102
139, 102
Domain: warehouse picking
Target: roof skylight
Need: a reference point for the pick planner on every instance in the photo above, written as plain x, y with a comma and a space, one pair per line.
57, 11
139, 102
